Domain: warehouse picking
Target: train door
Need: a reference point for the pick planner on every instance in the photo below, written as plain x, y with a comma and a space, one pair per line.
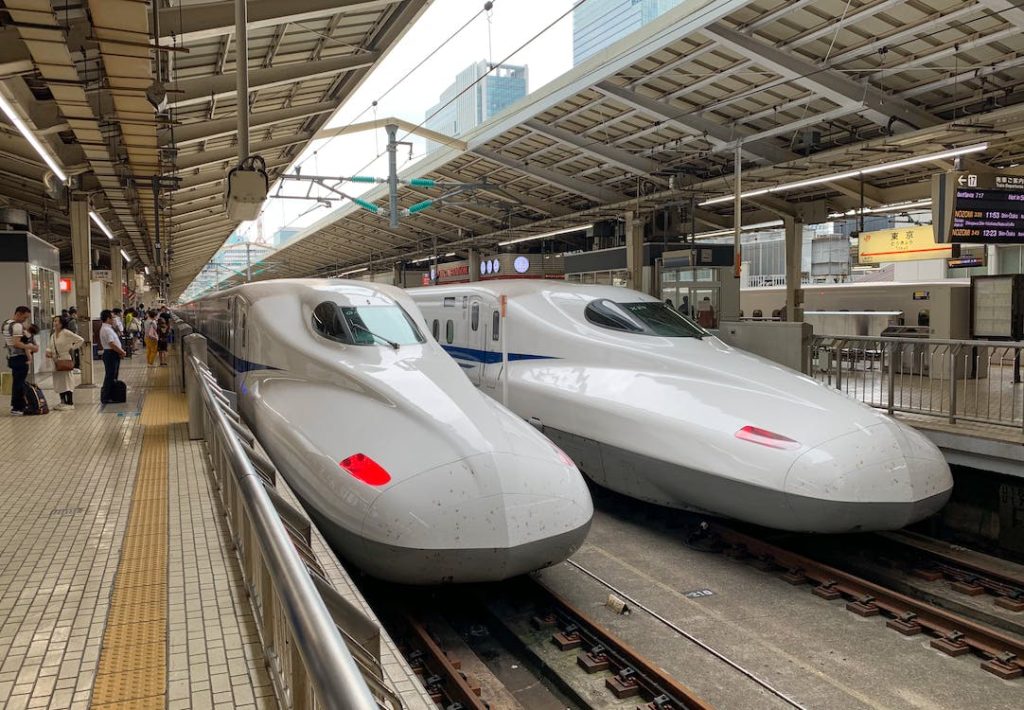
491, 370
476, 342
239, 344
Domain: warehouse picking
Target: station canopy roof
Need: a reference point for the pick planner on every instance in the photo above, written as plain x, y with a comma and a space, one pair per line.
805, 88
77, 74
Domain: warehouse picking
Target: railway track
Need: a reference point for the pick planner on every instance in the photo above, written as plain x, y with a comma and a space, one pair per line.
954, 634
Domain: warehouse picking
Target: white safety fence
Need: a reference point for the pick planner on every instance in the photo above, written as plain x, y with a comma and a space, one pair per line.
322, 651
968, 380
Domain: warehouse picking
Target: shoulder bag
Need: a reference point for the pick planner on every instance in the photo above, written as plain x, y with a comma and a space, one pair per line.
59, 364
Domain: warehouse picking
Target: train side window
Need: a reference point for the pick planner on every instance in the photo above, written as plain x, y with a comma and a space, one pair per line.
449, 331
474, 317
436, 329
449, 301
495, 326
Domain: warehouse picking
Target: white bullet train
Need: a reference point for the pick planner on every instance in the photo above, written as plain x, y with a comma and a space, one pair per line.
411, 473
652, 406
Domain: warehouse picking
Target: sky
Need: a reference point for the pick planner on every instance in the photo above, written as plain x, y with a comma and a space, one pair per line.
491, 36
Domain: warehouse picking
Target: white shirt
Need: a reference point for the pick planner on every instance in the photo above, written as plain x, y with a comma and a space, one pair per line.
119, 324
17, 330
108, 337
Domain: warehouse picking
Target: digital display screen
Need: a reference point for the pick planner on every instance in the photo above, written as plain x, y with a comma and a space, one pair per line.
984, 216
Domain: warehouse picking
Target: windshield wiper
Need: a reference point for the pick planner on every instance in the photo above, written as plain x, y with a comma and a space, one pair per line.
363, 328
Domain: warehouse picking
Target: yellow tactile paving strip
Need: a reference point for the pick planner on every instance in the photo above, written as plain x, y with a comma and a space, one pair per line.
132, 670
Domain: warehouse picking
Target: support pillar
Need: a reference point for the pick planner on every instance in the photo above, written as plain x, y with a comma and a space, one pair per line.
635, 250
81, 256
794, 256
474, 265
116, 297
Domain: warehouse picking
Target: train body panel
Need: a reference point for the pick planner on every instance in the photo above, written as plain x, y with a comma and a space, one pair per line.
687, 421
465, 478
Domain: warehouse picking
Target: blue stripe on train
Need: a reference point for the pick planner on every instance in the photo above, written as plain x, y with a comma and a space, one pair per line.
238, 365
487, 357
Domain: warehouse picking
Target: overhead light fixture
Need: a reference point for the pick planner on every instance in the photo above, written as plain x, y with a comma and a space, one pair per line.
23, 128
904, 207
546, 235
126, 257
785, 187
746, 228
354, 271
146, 269
101, 224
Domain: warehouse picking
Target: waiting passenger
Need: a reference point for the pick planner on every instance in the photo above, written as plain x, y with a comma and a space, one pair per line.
706, 313
17, 357
152, 338
112, 354
163, 336
63, 345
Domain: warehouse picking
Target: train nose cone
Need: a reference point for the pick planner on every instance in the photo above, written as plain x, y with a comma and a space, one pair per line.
881, 477
486, 517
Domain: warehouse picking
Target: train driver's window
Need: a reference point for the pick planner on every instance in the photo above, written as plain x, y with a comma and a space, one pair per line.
474, 317
326, 321
449, 331
436, 329
495, 326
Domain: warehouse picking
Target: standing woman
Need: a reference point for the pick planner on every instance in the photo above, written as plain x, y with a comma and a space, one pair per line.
63, 343
163, 333
151, 337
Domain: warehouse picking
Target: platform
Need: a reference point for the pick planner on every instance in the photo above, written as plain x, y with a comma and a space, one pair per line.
118, 586
812, 651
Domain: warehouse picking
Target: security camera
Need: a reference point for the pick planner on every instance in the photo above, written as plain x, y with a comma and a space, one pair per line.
156, 94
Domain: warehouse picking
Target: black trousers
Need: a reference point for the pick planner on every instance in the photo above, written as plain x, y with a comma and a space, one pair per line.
19, 373
111, 368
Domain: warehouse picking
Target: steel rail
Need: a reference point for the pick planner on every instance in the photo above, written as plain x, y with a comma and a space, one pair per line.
685, 634
334, 674
955, 634
457, 688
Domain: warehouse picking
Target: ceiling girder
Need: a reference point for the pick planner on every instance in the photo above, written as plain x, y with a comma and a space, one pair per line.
190, 92
206, 130
606, 153
581, 187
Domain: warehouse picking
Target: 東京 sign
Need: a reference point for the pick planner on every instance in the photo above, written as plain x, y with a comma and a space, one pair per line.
902, 244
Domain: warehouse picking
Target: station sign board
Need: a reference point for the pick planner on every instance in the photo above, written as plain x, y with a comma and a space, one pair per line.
979, 208
901, 244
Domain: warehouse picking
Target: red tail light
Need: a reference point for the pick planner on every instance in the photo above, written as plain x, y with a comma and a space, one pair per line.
767, 438
564, 456
366, 469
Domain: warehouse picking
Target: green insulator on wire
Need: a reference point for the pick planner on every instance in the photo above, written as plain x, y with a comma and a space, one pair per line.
366, 205
363, 178
420, 206
423, 182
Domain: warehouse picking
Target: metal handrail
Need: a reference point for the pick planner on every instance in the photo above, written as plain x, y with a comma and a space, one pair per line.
334, 674
920, 341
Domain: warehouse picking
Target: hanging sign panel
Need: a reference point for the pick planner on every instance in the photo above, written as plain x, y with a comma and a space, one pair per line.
988, 216
901, 244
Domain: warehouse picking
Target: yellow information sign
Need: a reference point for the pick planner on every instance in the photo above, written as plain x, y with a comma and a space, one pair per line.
901, 244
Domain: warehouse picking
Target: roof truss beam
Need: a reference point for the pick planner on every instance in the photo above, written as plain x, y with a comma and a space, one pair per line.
592, 192
214, 19
606, 153
200, 90
206, 130
864, 98
213, 157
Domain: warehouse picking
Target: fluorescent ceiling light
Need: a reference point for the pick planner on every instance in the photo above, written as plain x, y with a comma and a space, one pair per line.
126, 257
746, 228
785, 187
146, 269
905, 207
101, 224
354, 271
546, 235
23, 128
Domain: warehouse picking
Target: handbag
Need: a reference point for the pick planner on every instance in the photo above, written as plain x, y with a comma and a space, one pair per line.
61, 365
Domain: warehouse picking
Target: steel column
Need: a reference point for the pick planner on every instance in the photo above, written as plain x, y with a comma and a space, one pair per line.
81, 256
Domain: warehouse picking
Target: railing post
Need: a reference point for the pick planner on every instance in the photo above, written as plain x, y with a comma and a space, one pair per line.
952, 383
837, 348
194, 345
890, 351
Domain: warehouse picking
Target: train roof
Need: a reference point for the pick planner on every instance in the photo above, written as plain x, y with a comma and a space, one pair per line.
514, 288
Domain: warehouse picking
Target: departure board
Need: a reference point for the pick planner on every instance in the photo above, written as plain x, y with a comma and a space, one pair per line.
988, 216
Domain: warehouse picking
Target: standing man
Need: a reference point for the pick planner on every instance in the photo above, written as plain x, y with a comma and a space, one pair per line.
73, 326
18, 357
112, 354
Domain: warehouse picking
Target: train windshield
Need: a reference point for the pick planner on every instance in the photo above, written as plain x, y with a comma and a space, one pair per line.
644, 318
366, 325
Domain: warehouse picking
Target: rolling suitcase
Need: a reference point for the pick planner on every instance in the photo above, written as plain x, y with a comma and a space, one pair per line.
118, 392
35, 401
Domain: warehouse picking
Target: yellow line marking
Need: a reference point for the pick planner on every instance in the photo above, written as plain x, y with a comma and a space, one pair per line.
132, 669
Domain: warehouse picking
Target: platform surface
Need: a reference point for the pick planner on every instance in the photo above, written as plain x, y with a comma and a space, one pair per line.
118, 586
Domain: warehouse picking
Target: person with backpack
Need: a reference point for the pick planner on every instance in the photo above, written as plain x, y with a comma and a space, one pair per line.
18, 356
63, 344
112, 354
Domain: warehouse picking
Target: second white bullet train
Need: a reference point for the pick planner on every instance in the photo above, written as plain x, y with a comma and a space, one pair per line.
651, 405
411, 473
